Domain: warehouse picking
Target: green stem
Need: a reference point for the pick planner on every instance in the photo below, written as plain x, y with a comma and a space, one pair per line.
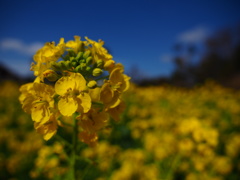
65, 142
173, 167
74, 148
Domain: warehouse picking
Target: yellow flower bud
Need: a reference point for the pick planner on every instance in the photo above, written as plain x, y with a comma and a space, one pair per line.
50, 75
97, 72
100, 63
92, 84
109, 65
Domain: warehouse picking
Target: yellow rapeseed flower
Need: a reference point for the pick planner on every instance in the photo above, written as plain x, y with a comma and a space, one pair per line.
111, 89
75, 45
98, 51
74, 77
48, 129
72, 94
38, 101
45, 56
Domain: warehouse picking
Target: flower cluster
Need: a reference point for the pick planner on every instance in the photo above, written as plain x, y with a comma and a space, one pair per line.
76, 79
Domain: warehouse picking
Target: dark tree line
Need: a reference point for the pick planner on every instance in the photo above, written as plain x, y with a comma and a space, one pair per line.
218, 60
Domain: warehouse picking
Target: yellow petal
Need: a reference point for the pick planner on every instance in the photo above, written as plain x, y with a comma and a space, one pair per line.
115, 101
26, 101
106, 93
116, 111
116, 76
63, 84
80, 82
51, 130
48, 129
40, 113
85, 102
126, 83
95, 94
67, 106
94, 120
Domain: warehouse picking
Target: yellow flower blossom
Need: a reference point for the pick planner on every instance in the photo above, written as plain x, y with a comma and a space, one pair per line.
108, 96
98, 51
72, 94
50, 52
38, 101
88, 138
76, 76
111, 89
119, 81
45, 56
26, 98
48, 129
75, 45
94, 120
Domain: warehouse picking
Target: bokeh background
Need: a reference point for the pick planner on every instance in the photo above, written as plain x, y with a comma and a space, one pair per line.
182, 116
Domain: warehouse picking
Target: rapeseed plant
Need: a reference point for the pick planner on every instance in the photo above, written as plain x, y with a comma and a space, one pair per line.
76, 80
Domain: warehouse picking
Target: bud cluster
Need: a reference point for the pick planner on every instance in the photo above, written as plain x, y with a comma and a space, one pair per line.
76, 78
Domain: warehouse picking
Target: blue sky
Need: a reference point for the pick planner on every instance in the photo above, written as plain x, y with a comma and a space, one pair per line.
138, 33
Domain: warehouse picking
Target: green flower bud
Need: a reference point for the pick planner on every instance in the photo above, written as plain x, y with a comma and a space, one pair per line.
79, 55
74, 64
92, 84
97, 72
100, 63
56, 66
89, 60
88, 69
65, 65
78, 69
82, 61
72, 59
83, 66
50, 75
86, 54
67, 57
68, 64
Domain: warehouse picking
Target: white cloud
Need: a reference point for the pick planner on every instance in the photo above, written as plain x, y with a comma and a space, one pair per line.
194, 35
18, 66
19, 46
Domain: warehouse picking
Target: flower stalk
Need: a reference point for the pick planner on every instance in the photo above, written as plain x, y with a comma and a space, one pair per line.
74, 148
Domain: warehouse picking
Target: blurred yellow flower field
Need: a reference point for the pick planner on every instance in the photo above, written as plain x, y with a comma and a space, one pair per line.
164, 133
